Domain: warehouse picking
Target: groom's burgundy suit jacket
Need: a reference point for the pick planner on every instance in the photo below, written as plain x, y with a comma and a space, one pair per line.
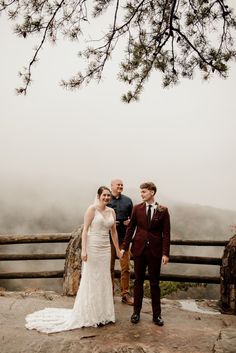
156, 234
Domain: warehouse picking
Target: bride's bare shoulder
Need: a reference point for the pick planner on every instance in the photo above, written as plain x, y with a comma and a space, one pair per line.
91, 209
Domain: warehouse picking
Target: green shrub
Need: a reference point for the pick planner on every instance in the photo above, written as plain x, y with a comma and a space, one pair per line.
165, 286
168, 287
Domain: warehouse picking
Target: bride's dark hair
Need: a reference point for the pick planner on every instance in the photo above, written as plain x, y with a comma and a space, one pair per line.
101, 189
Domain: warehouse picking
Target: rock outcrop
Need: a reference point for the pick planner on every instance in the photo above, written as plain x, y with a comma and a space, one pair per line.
73, 264
184, 331
228, 278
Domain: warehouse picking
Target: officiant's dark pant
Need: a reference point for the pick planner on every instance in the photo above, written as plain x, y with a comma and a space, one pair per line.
147, 261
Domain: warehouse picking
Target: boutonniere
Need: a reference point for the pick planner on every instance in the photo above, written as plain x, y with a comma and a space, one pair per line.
158, 207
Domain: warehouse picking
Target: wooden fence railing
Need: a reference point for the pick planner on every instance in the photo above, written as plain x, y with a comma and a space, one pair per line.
65, 237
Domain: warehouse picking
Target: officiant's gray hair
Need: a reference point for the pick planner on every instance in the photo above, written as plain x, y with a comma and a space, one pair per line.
149, 185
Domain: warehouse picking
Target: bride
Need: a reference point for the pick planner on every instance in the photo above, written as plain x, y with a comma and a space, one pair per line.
94, 303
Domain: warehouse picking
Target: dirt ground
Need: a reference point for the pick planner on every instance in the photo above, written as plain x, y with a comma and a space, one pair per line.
184, 330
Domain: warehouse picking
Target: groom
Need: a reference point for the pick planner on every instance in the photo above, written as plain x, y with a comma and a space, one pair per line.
149, 231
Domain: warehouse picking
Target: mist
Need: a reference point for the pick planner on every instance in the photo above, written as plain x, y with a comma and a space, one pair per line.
61, 146
50, 210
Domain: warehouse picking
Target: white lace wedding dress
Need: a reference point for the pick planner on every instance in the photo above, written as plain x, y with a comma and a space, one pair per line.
94, 300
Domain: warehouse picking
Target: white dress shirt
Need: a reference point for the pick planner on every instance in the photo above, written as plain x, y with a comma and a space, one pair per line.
152, 208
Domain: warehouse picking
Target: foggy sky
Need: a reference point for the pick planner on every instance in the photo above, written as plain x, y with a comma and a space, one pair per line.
62, 145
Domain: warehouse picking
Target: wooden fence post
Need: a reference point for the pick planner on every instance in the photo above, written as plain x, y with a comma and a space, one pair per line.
228, 278
73, 263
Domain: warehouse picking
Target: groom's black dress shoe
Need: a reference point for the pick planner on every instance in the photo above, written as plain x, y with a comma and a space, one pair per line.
135, 318
158, 321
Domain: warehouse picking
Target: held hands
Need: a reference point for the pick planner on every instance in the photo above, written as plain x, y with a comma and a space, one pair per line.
120, 253
84, 256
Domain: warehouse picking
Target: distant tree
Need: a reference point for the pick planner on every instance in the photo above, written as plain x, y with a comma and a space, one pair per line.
175, 37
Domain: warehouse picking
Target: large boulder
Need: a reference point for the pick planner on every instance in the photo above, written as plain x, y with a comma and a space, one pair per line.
73, 264
228, 278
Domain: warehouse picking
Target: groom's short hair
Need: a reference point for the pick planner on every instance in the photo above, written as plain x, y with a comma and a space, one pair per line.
149, 185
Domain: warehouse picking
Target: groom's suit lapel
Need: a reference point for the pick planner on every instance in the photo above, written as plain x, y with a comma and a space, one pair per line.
144, 213
155, 215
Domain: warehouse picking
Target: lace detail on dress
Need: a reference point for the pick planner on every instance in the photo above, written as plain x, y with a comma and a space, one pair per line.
94, 300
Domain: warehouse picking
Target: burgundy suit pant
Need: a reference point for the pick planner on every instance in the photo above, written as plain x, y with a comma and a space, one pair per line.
147, 261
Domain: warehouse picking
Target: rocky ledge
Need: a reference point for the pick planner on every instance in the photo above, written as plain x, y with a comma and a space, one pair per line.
202, 330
